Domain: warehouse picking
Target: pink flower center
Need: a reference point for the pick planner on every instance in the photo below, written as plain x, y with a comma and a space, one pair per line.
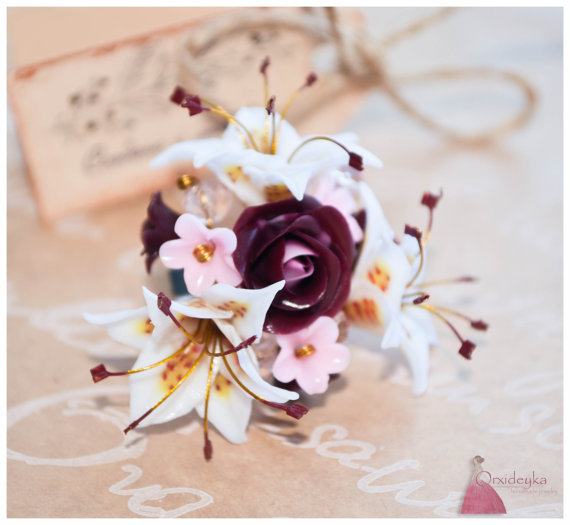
204, 252
297, 263
304, 351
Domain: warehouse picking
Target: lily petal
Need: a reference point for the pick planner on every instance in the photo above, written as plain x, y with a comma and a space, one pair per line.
148, 387
247, 308
198, 151
130, 327
415, 346
229, 408
246, 368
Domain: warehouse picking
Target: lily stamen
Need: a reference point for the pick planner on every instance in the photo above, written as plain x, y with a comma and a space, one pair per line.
164, 302
263, 71
208, 449
354, 160
196, 105
295, 410
136, 422
310, 80
417, 234
467, 346
100, 372
430, 201
477, 324
269, 108
455, 280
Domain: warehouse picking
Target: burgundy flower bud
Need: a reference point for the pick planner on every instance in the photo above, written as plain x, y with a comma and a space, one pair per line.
307, 245
157, 228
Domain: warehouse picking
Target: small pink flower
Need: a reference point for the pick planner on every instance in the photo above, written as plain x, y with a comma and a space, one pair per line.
310, 355
329, 194
205, 254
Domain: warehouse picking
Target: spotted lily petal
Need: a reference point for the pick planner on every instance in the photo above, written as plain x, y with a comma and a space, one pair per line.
246, 307
149, 387
229, 408
130, 327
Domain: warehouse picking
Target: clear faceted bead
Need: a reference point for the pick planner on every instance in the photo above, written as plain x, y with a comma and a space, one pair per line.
208, 199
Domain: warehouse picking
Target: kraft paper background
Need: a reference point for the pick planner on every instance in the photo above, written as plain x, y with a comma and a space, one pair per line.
367, 448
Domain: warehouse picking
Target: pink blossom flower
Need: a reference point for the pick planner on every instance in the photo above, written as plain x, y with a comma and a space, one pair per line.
330, 194
310, 355
204, 254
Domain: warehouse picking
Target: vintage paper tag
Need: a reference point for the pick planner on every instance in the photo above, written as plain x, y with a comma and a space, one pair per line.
90, 122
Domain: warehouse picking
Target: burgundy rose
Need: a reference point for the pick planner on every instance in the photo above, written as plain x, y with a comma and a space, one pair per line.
306, 244
157, 228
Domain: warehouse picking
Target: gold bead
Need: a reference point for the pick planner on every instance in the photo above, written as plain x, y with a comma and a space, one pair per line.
186, 181
304, 351
204, 252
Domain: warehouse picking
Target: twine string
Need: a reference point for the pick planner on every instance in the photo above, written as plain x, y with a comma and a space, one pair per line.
361, 60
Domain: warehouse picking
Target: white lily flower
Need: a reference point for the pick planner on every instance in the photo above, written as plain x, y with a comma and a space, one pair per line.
196, 354
387, 294
381, 301
264, 158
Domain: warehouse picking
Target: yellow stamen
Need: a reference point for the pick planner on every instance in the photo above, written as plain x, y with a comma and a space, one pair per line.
204, 252
165, 360
304, 351
266, 135
240, 384
206, 401
283, 115
440, 282
420, 266
219, 110
305, 142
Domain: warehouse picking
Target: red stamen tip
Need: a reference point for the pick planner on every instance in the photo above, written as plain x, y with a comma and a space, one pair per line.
163, 303
208, 449
296, 410
134, 424
430, 200
355, 161
194, 105
467, 279
264, 66
414, 232
311, 79
421, 299
479, 325
270, 105
467, 348
99, 373
178, 95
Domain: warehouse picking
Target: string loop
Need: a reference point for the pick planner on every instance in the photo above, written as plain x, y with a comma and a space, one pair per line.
361, 60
